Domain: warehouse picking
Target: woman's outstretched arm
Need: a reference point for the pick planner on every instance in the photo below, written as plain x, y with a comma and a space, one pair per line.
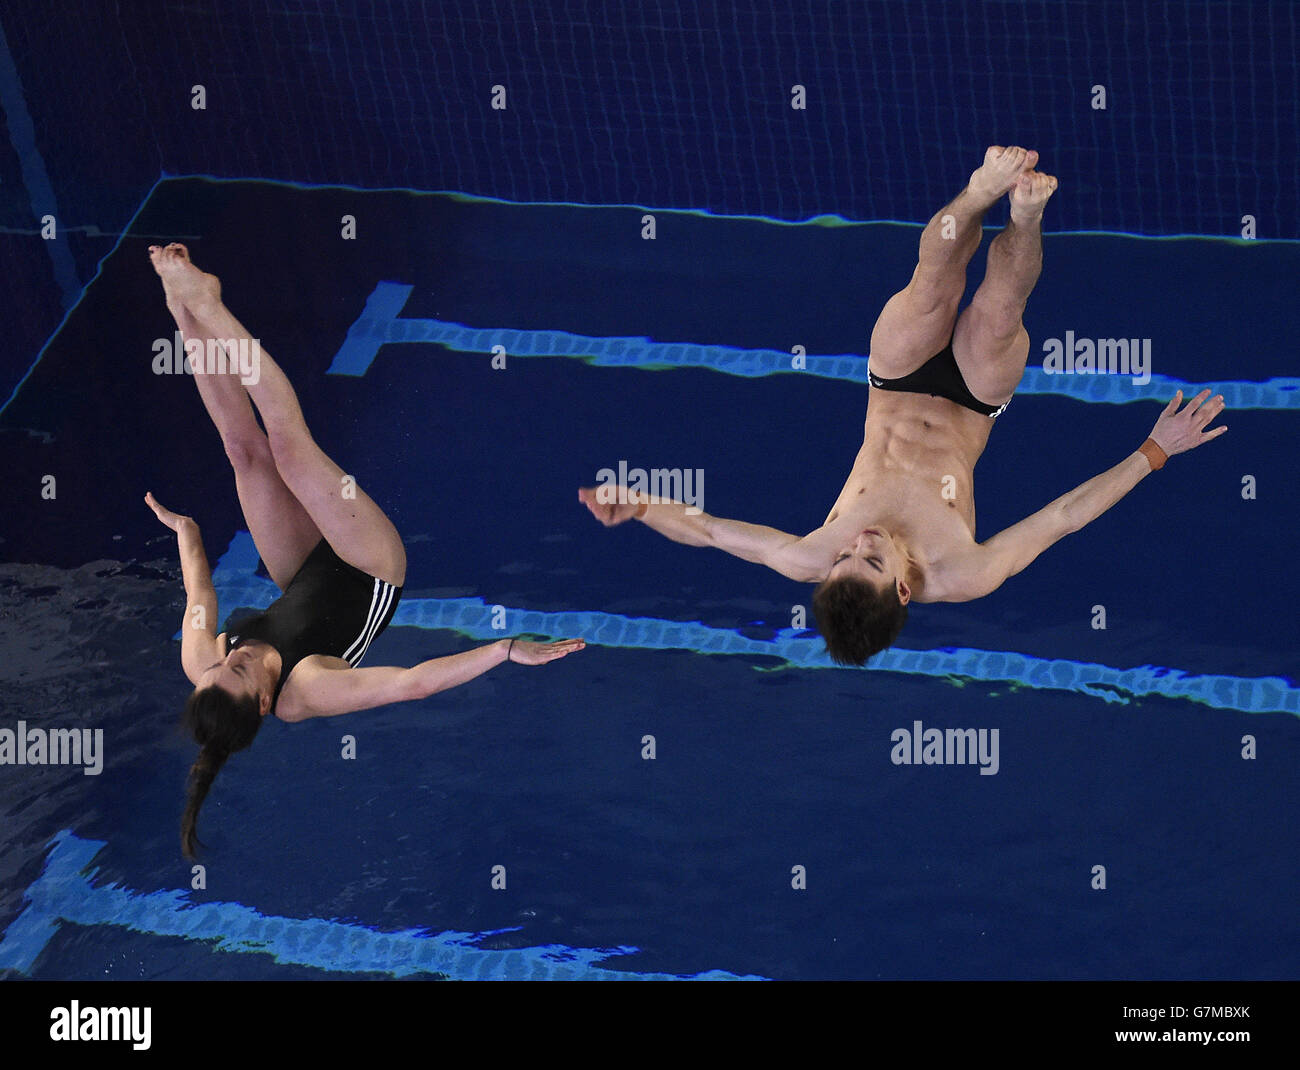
198, 630
321, 688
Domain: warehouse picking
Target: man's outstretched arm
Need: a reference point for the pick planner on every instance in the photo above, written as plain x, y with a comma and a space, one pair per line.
987, 566
674, 520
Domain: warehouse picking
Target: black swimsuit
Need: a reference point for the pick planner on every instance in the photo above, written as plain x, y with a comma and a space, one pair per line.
329, 608
939, 377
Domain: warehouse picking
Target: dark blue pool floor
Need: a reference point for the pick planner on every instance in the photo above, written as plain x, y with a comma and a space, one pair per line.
912, 872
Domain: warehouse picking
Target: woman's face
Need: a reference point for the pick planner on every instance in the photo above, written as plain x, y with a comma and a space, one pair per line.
240, 673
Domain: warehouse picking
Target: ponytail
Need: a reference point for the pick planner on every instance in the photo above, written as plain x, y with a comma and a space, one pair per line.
202, 773
221, 724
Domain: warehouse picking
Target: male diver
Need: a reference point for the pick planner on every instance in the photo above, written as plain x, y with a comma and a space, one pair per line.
903, 527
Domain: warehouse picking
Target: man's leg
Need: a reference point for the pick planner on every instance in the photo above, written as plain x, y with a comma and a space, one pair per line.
990, 343
358, 530
282, 531
917, 322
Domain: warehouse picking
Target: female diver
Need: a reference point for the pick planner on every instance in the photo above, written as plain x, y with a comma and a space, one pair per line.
329, 548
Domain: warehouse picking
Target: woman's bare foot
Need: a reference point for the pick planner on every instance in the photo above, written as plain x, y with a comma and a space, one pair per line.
1001, 168
183, 283
1029, 196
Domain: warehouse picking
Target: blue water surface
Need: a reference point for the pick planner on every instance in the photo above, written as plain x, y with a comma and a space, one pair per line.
1119, 747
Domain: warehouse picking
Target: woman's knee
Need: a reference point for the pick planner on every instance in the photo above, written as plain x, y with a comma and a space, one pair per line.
302, 464
247, 450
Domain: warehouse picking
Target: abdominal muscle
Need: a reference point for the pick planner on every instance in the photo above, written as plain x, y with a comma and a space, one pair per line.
913, 475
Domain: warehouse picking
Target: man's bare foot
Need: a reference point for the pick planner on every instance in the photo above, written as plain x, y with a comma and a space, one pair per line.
1000, 170
183, 283
1029, 196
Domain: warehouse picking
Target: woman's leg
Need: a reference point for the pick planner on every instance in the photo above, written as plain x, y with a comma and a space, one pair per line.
358, 530
282, 531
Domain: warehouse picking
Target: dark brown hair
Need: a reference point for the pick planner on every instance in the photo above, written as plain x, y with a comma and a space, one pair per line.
221, 724
856, 619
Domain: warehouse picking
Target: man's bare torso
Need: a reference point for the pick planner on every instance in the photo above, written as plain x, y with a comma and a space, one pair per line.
906, 514
913, 475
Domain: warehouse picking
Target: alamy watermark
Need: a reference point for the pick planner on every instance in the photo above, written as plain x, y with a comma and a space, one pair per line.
655, 486
946, 746
75, 1022
53, 746
1098, 356
211, 356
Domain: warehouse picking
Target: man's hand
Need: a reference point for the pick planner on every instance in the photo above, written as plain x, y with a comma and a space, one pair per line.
1178, 432
175, 521
522, 652
609, 514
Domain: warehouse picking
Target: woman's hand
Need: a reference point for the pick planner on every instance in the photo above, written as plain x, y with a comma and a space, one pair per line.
172, 520
608, 513
522, 652
1178, 432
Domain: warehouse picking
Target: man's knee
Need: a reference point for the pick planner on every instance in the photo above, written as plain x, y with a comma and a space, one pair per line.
935, 303
998, 320
934, 293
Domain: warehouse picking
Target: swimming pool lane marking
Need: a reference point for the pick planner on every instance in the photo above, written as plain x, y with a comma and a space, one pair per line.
819, 219
380, 324
36, 179
40, 194
64, 893
68, 312
238, 586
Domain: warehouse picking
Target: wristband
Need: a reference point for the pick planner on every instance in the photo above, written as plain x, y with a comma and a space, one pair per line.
1154, 454
642, 509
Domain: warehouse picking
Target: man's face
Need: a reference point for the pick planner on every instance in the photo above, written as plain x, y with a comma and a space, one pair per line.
872, 557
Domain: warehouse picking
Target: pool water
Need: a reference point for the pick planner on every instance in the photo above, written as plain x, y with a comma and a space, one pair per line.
1118, 747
